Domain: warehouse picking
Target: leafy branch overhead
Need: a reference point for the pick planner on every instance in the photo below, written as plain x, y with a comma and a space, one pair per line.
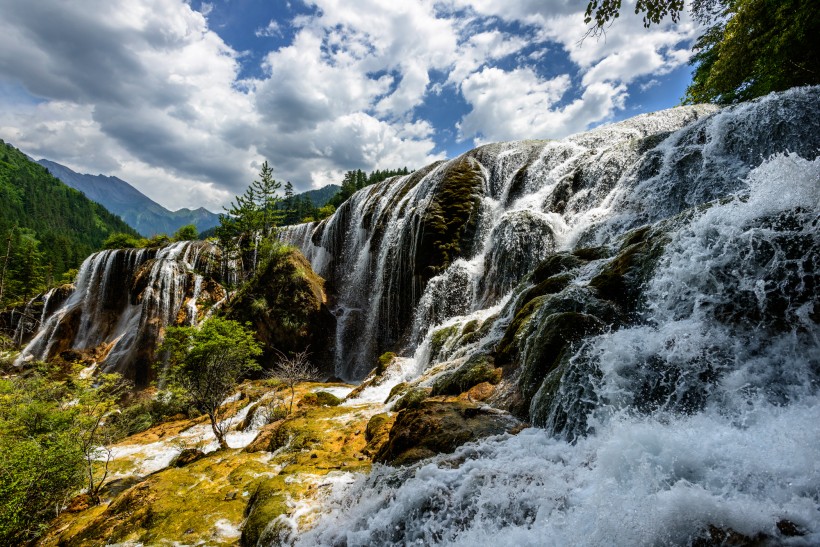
749, 48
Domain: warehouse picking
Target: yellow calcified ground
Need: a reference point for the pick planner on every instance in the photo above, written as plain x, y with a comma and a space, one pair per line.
210, 501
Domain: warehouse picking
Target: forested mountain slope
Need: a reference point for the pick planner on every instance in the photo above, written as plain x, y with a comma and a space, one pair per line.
46, 227
138, 210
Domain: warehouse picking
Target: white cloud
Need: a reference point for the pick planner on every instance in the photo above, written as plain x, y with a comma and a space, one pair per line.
272, 29
149, 92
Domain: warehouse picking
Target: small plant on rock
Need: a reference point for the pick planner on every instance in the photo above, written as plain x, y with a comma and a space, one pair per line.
292, 370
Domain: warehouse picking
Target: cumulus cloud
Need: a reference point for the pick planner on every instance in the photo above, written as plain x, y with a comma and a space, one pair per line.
150, 92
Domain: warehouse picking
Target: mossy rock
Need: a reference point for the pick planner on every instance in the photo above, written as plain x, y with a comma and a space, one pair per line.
285, 301
189, 455
553, 337
268, 501
309, 399
412, 398
439, 338
397, 391
477, 369
450, 219
622, 278
555, 264
591, 253
384, 361
377, 432
439, 427
326, 398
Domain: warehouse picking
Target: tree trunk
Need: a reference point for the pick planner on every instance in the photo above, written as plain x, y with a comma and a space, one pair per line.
220, 438
5, 265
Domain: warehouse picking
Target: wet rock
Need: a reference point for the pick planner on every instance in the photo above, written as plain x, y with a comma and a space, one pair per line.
377, 432
554, 336
622, 278
439, 427
397, 391
520, 241
726, 537
266, 440
476, 370
412, 398
326, 398
189, 455
480, 392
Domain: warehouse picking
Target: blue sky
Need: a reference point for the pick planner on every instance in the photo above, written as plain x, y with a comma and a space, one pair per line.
186, 99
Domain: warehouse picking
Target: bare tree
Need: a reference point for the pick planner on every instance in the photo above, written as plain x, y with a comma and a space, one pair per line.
292, 370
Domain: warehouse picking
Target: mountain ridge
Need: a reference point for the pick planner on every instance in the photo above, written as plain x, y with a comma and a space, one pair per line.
135, 208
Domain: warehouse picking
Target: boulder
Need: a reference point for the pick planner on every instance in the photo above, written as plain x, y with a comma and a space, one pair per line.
439, 427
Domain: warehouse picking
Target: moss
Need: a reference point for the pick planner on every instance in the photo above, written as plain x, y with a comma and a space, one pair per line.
397, 391
308, 399
327, 399
477, 369
451, 218
384, 360
439, 339
412, 398
554, 336
185, 504
622, 278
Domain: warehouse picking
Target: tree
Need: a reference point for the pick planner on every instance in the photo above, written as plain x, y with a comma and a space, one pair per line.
208, 363
119, 240
749, 49
292, 370
604, 12
186, 233
54, 433
251, 217
41, 464
95, 425
754, 48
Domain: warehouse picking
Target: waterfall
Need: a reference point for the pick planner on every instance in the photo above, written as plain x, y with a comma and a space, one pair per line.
686, 244
122, 300
530, 199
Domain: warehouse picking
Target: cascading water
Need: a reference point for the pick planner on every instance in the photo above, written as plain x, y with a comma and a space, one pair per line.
687, 399
121, 302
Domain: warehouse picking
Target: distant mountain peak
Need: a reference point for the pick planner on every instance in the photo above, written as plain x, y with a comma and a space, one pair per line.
138, 210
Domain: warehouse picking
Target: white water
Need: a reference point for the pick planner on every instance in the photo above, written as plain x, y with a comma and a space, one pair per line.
704, 413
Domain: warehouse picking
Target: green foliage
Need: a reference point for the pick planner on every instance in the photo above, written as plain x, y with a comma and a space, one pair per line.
207, 363
51, 428
325, 211
252, 217
750, 48
186, 233
156, 241
603, 12
356, 180
119, 240
66, 225
755, 48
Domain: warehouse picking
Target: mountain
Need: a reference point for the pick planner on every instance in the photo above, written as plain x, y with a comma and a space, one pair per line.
66, 224
322, 195
138, 210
